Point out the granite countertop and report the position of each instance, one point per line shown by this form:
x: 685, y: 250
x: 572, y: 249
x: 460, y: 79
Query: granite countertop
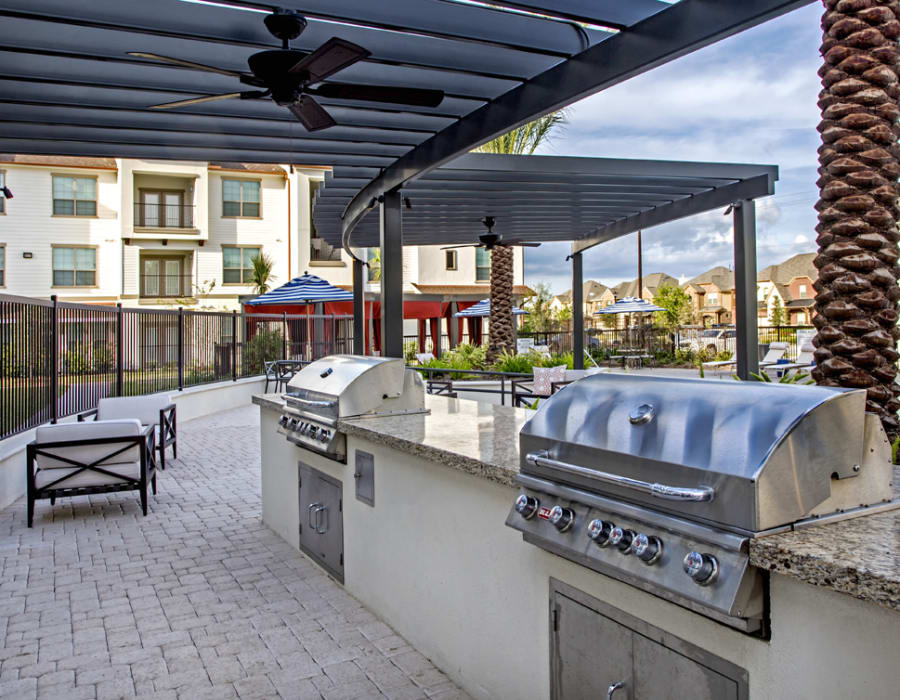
x: 478, y: 438
x: 859, y: 557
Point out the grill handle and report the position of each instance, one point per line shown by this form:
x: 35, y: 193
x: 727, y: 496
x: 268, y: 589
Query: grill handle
x: 315, y: 404
x: 669, y: 493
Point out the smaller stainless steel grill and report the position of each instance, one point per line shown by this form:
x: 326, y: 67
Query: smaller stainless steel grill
x: 663, y: 482
x: 345, y: 386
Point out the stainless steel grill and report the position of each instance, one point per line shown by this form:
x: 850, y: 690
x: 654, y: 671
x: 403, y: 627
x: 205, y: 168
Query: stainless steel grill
x: 344, y: 386
x: 662, y: 482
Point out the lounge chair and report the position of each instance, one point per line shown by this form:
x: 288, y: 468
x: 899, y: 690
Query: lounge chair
x: 717, y: 364
x: 776, y: 352
x: 424, y: 357
x: 76, y: 459
x: 156, y: 410
x: 805, y: 360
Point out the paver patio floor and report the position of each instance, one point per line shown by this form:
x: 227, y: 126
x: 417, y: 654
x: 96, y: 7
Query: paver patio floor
x: 197, y: 600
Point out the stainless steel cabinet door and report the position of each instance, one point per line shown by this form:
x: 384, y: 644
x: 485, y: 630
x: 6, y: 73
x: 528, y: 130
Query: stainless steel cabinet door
x: 321, y: 520
x: 591, y: 653
x: 663, y: 674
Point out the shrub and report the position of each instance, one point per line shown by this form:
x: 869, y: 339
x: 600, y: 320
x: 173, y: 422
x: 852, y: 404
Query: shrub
x: 509, y: 362
x: 684, y: 356
x: 266, y: 345
x: 555, y: 360
x: 102, y: 358
x: 410, y: 348
x: 78, y: 360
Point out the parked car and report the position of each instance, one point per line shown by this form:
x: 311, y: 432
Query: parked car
x: 711, y: 339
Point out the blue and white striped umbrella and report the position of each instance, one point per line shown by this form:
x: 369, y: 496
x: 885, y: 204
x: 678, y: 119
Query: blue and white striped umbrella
x: 483, y: 308
x: 306, y: 289
x: 630, y: 305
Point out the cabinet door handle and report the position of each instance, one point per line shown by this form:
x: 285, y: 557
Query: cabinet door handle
x: 321, y: 509
x: 613, y: 688
x: 309, y: 514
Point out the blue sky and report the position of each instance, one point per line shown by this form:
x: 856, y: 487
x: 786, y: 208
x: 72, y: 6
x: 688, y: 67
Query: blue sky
x: 750, y: 98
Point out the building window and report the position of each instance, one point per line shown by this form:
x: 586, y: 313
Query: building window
x: 74, y: 196
x: 803, y: 291
x: 482, y: 265
x: 74, y: 267
x: 163, y: 277
x: 2, y: 198
x: 712, y: 299
x: 237, y: 262
x: 240, y: 198
x: 2, y: 265
x: 450, y: 259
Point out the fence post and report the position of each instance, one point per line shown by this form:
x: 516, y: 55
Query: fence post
x: 54, y: 361
x: 284, y: 336
x: 120, y: 350
x: 180, y: 348
x: 234, y: 345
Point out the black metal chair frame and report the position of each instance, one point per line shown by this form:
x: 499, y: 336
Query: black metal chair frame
x: 146, y: 441
x: 284, y: 372
x: 441, y: 387
x: 167, y: 431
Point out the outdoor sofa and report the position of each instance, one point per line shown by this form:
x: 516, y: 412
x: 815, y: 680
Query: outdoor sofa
x: 156, y: 411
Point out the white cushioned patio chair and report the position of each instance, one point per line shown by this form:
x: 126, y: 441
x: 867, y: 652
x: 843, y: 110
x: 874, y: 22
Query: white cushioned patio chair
x: 76, y: 459
x: 155, y: 410
x: 775, y: 352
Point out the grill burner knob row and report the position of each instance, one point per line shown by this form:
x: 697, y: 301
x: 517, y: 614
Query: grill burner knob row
x: 647, y: 548
x: 599, y: 531
x: 562, y: 518
x: 527, y: 506
x: 703, y: 568
x: 622, y: 539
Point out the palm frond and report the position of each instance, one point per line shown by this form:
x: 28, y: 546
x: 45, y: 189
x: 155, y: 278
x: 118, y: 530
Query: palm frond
x: 524, y: 140
x: 261, y: 273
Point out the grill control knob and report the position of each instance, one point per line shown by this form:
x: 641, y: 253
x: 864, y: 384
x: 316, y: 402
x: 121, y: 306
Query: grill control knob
x: 562, y: 518
x: 647, y: 548
x: 703, y: 568
x: 527, y: 506
x: 622, y: 539
x: 283, y: 421
x: 599, y: 531
x: 323, y: 436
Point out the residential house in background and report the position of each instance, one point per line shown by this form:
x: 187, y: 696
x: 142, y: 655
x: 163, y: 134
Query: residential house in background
x: 594, y: 294
x: 712, y: 297
x: 176, y: 233
x: 791, y: 284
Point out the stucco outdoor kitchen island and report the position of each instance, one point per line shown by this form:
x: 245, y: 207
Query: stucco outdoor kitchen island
x: 425, y: 547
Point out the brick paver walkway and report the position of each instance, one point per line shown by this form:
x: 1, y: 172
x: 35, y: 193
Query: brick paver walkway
x: 197, y: 600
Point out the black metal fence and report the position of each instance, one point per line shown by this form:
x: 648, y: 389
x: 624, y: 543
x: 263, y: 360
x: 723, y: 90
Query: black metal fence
x: 57, y: 358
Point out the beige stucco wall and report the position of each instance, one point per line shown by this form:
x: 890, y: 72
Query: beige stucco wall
x: 434, y: 559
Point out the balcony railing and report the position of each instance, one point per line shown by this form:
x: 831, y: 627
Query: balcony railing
x: 165, y: 286
x: 163, y: 215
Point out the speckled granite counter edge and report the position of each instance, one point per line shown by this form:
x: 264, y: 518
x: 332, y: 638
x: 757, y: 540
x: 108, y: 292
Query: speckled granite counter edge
x: 857, y: 582
x: 497, y: 473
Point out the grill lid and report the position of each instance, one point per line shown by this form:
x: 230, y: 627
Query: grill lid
x: 761, y: 455
x: 347, y: 385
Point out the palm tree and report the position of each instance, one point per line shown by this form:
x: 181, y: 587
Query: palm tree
x: 857, y: 291
x: 521, y: 141
x: 261, y: 273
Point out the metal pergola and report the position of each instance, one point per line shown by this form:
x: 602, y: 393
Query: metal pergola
x: 550, y: 198
x: 68, y: 85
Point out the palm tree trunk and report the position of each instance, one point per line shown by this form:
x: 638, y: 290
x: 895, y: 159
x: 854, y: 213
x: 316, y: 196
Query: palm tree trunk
x: 502, y: 332
x: 857, y: 291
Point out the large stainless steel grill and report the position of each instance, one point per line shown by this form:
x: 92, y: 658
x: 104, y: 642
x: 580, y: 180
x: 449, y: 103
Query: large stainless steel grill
x: 662, y: 482
x: 344, y: 386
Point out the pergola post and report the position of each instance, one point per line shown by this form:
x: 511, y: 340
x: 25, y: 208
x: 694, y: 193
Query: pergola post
x: 746, y: 350
x: 577, y: 311
x: 453, y: 325
x: 359, y: 329
x: 391, y: 276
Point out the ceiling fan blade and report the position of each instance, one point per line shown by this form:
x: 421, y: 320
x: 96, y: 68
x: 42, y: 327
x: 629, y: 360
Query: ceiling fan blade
x: 311, y: 114
x: 196, y: 100
x: 416, y: 97
x: 332, y: 56
x: 186, y: 64
x: 524, y: 244
x: 464, y: 245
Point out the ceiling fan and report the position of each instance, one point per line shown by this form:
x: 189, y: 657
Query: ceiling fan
x: 489, y: 239
x: 292, y: 78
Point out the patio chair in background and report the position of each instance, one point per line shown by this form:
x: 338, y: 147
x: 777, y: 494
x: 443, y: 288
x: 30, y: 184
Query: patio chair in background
x: 424, y: 357
x: 717, y: 364
x: 775, y: 352
x: 83, y: 458
x: 155, y: 410
x: 804, y: 360
x: 271, y: 375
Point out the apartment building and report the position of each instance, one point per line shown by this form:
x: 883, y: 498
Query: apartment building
x: 712, y: 297
x: 790, y: 285
x: 174, y: 233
